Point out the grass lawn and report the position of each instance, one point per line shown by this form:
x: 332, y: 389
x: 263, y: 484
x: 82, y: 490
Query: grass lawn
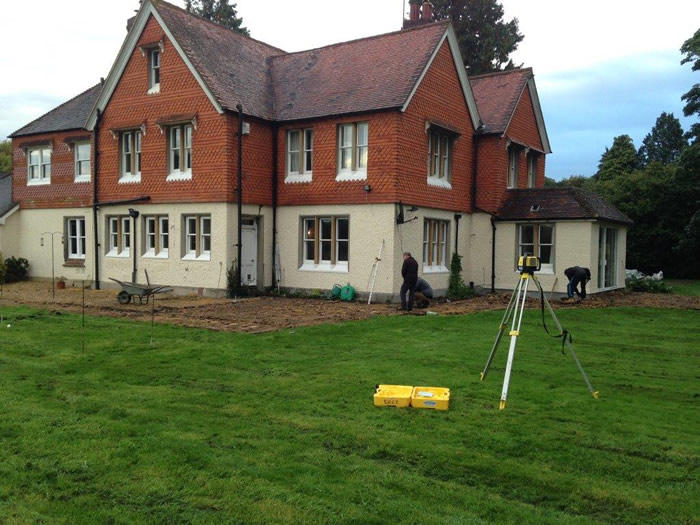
x: 684, y: 286
x: 206, y: 427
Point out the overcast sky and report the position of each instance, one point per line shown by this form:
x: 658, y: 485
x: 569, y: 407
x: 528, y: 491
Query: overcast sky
x: 602, y: 67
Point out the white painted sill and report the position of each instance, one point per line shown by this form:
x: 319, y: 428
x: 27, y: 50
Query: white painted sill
x: 435, y: 269
x: 154, y: 90
x: 293, y: 178
x: 324, y: 267
x: 124, y: 254
x: 163, y: 254
x: 439, y: 183
x: 82, y: 179
x: 348, y: 175
x: 130, y: 179
x: 38, y: 182
x: 179, y: 175
x: 205, y: 257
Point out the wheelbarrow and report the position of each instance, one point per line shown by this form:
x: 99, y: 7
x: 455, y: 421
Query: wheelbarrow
x: 131, y: 290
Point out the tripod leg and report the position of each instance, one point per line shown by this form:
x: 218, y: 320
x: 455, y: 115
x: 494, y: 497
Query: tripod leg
x: 501, y: 328
x: 568, y: 344
x: 514, y: 333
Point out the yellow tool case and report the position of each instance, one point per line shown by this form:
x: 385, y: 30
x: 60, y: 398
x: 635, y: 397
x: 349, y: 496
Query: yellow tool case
x: 392, y: 395
x: 430, y: 397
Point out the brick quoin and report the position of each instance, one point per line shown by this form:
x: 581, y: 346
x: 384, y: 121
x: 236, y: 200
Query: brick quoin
x: 63, y: 192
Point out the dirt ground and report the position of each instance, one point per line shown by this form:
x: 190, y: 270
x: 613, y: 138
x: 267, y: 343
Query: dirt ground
x: 264, y: 314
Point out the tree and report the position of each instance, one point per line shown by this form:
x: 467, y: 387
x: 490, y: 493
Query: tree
x: 485, y: 39
x: 219, y: 11
x: 5, y: 156
x: 619, y: 159
x: 664, y: 143
x: 691, y: 50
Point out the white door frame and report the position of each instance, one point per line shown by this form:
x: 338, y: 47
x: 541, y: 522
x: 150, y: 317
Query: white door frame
x: 249, y: 264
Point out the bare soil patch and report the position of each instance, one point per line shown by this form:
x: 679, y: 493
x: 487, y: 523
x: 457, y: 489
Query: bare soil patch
x: 264, y: 314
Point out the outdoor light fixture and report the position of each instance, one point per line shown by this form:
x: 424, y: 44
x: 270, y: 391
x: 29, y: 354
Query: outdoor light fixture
x: 413, y: 208
x: 133, y: 213
x: 368, y: 188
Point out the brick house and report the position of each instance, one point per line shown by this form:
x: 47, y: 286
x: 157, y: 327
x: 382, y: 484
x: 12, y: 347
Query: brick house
x: 344, y: 148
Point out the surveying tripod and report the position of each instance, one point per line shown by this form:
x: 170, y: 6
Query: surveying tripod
x: 527, y: 265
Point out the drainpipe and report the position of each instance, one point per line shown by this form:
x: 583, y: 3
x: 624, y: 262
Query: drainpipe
x: 96, y: 164
x: 493, y: 254
x: 134, y: 215
x: 457, y: 217
x: 274, y: 203
x: 239, y: 275
x: 475, y: 163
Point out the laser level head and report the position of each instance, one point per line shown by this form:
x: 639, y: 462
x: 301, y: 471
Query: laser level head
x: 529, y: 264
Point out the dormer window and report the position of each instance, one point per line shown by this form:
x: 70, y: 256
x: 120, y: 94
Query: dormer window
x: 154, y: 71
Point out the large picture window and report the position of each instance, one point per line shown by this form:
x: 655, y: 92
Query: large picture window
x: 325, y: 243
x: 353, y: 151
x: 75, y: 237
x: 130, y: 165
x: 39, y: 166
x: 300, y: 149
x: 435, y: 245
x: 538, y: 240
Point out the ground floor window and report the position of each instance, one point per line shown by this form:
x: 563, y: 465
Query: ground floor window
x: 75, y: 236
x: 325, y: 242
x: 197, y: 237
x: 435, y: 245
x: 119, y: 236
x: 607, y: 257
x: 156, y: 236
x: 538, y: 240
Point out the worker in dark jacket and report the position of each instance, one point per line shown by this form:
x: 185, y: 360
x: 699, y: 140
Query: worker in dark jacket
x: 409, y: 272
x: 424, y: 293
x: 577, y: 275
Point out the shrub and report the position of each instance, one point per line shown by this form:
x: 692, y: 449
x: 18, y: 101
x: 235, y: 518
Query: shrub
x: 3, y: 270
x: 646, y: 284
x: 232, y: 287
x: 457, y: 289
x: 16, y: 269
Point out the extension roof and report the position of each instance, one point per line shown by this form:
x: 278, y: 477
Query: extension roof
x: 368, y: 74
x: 497, y: 96
x: 566, y: 203
x: 69, y: 115
x: 6, y: 203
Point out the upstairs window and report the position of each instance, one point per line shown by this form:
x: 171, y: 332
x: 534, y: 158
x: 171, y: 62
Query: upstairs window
x: 39, y: 166
x: 353, y: 151
x: 439, y: 158
x: 513, y: 160
x: 531, y: 169
x: 180, y: 152
x: 300, y: 147
x: 82, y: 161
x: 538, y: 240
x: 130, y: 165
x: 154, y: 71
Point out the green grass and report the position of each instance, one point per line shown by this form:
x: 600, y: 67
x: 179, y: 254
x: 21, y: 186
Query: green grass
x: 684, y: 286
x: 205, y: 427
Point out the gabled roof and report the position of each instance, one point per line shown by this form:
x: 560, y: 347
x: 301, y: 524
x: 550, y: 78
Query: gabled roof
x: 6, y: 203
x: 497, y: 96
x: 369, y: 74
x: 69, y: 115
x: 568, y: 203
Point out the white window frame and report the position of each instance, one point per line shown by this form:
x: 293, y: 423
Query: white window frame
x: 81, y: 161
x: 154, y: 60
x: 130, y: 156
x: 180, y: 148
x: 537, y: 244
x: 350, y: 146
x: 440, y: 158
x: 79, y: 238
x: 303, y: 155
x: 313, y: 238
x: 436, y: 249
x: 193, y: 228
x: 42, y: 175
x: 531, y: 169
x: 513, y: 161
x: 603, y: 262
x: 155, y: 235
x: 119, y: 235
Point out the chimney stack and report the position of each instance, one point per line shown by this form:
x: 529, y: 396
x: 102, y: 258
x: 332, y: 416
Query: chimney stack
x: 415, y: 13
x: 427, y: 12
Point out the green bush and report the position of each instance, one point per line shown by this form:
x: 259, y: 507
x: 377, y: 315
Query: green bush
x: 16, y: 269
x: 457, y: 289
x: 3, y: 270
x: 645, y: 284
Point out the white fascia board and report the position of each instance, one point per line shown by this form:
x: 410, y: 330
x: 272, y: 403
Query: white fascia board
x: 125, y: 54
x: 461, y: 73
x: 538, y: 114
x: 6, y: 216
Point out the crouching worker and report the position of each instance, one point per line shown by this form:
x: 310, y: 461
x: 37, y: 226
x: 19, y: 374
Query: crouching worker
x: 577, y: 276
x: 424, y: 293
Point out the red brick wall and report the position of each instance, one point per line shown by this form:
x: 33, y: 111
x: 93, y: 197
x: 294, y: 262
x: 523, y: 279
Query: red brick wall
x: 213, y: 142
x: 492, y: 172
x: 523, y: 125
x: 63, y: 192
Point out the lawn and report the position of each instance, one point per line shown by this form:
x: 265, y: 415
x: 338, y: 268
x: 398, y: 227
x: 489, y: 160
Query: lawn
x: 208, y: 427
x: 684, y: 286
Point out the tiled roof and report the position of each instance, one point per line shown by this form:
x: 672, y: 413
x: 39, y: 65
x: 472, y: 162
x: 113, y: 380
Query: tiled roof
x: 236, y: 68
x: 69, y: 115
x: 497, y: 95
x: 566, y: 203
x: 362, y: 75
x: 6, y: 203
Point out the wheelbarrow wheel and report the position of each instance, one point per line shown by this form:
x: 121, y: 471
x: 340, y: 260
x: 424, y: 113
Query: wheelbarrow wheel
x: 123, y: 297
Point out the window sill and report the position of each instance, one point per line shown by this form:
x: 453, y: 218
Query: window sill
x: 154, y: 90
x: 435, y: 269
x: 82, y: 179
x: 293, y: 178
x: 544, y: 271
x: 439, y: 183
x: 153, y: 255
x: 179, y: 176
x: 343, y: 176
x: 38, y: 182
x: 205, y: 257
x: 119, y: 255
x: 130, y: 179
x: 74, y: 263
x: 324, y: 267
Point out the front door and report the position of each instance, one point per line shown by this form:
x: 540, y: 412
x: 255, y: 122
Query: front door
x: 249, y: 254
